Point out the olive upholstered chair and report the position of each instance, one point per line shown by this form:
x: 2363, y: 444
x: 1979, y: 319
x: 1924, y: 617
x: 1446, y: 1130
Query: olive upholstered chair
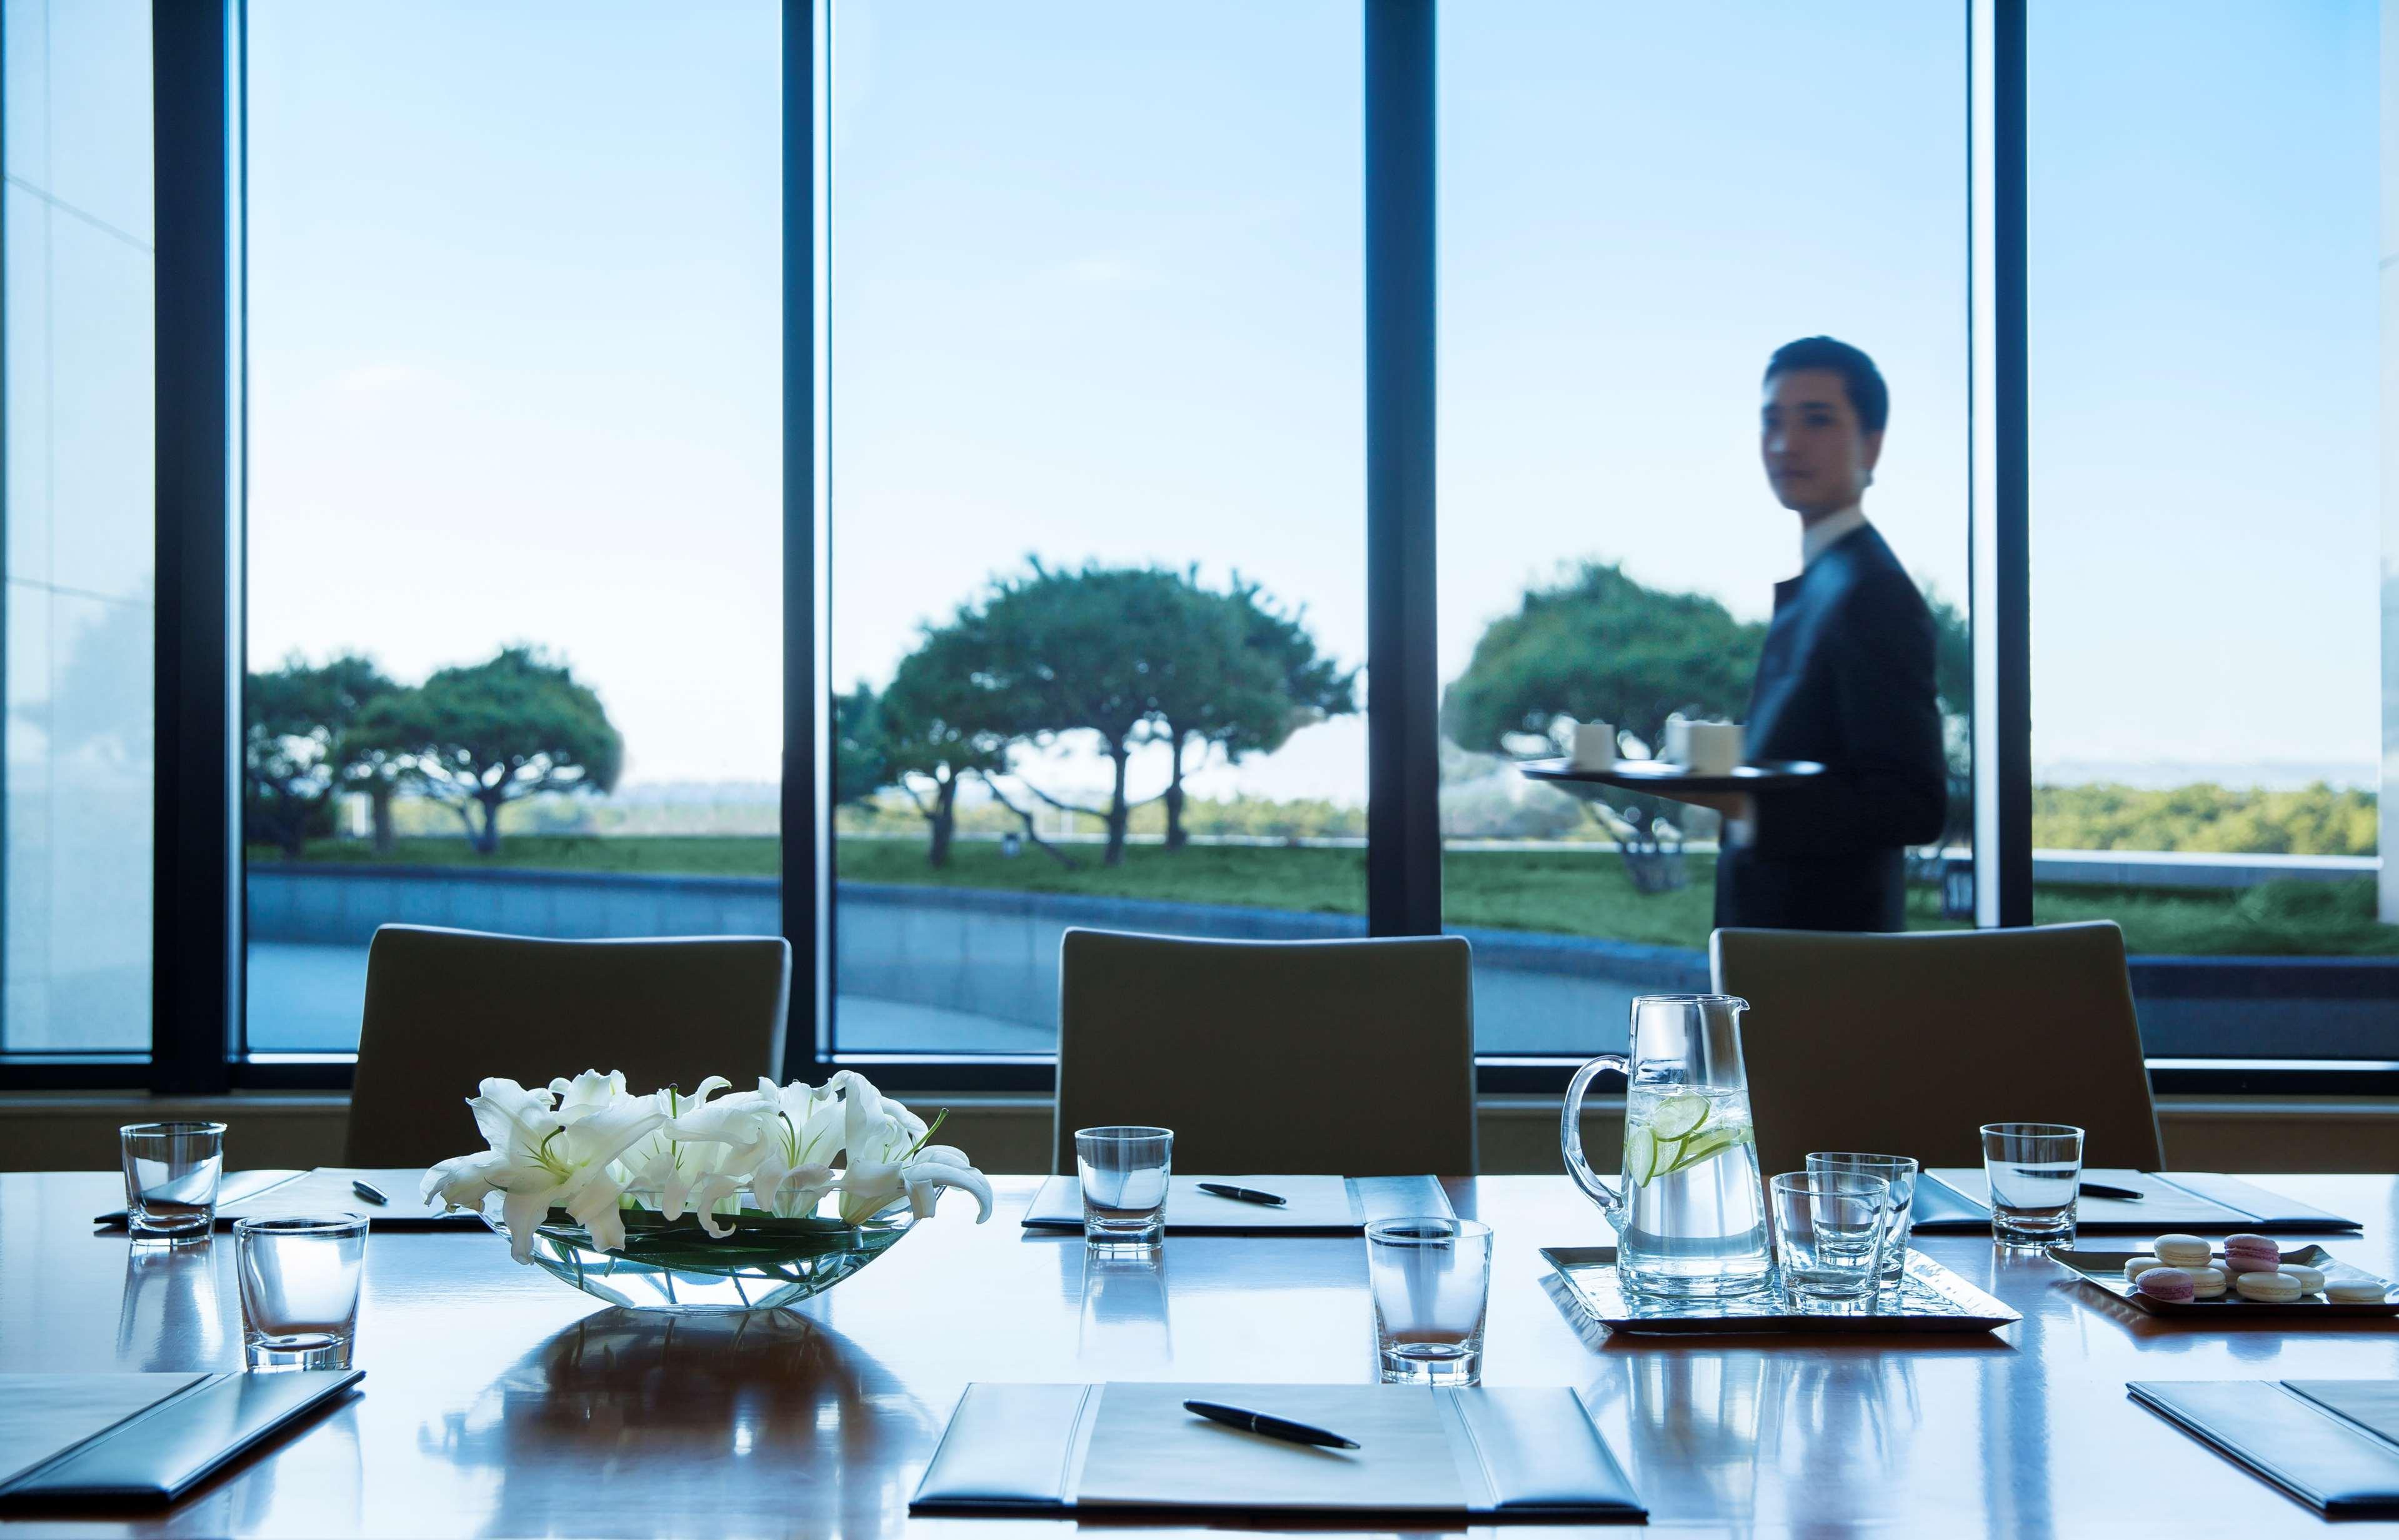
x: 1348, y: 1057
x: 446, y: 1008
x: 1909, y: 1044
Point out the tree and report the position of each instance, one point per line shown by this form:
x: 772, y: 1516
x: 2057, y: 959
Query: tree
x: 858, y: 761
x: 1247, y: 677
x: 938, y: 723
x: 301, y: 742
x: 478, y: 737
x: 1086, y: 650
x: 1598, y: 646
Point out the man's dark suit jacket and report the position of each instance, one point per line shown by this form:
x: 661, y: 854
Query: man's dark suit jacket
x: 1846, y: 678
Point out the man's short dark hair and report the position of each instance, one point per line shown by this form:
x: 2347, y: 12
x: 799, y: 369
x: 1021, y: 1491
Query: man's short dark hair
x: 1869, y: 398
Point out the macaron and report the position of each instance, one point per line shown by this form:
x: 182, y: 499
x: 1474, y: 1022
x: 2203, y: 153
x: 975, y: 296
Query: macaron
x: 2276, y: 1287
x: 2208, y: 1283
x: 2138, y: 1266
x: 2246, y: 1253
x: 2182, y: 1252
x: 2168, y: 1286
x: 2356, y: 1290
x: 2312, y: 1280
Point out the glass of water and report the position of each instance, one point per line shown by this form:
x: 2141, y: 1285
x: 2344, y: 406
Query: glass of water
x: 1829, y: 1229
x: 1124, y: 1171
x: 171, y: 1171
x: 299, y: 1282
x: 1431, y: 1279
x: 2034, y: 1169
x: 1900, y: 1172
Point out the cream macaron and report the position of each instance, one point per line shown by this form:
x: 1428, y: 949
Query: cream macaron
x: 2312, y: 1280
x: 2356, y: 1290
x: 2208, y: 1283
x: 2275, y: 1288
x: 2182, y: 1252
x: 2138, y: 1266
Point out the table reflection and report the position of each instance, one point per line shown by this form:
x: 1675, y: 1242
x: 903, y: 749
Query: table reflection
x: 696, y: 1415
x: 172, y: 1315
x: 1126, y: 1321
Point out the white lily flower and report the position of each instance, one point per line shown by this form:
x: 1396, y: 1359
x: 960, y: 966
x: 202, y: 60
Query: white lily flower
x: 797, y: 1169
x: 538, y: 1160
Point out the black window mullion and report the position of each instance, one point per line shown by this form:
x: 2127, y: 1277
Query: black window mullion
x: 1403, y: 684
x: 195, y: 892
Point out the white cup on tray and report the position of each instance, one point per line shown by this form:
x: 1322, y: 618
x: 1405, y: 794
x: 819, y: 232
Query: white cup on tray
x: 1594, y: 746
x: 1711, y: 747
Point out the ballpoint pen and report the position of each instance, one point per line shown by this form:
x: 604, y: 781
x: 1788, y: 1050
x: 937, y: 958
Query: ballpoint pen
x: 2100, y: 1189
x: 1241, y: 1194
x: 1268, y: 1426
x: 368, y: 1192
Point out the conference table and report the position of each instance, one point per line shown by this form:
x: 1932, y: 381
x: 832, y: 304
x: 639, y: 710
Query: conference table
x: 497, y: 1401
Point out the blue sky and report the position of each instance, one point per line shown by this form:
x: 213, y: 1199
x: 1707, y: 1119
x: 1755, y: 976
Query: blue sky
x: 1096, y: 293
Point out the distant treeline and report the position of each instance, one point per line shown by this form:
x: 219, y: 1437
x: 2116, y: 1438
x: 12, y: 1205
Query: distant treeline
x: 2320, y: 820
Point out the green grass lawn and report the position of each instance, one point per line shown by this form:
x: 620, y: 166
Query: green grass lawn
x: 1567, y: 892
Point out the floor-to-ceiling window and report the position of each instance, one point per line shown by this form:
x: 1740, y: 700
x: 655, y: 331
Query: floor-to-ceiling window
x: 81, y: 575
x: 1097, y: 520
x: 515, y: 507
x: 2204, y: 204
x: 1635, y: 211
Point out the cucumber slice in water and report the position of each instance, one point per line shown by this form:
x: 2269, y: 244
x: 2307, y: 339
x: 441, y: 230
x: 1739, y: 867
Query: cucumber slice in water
x: 1678, y: 1115
x: 1640, y: 1156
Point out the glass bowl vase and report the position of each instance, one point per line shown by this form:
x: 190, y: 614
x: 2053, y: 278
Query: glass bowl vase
x: 769, y: 1261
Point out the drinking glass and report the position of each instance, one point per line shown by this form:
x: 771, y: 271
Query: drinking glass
x: 1901, y: 1172
x: 1829, y: 1228
x: 299, y: 1279
x: 2034, y: 1170
x: 171, y: 1181
x: 1124, y: 1171
x: 1431, y: 1279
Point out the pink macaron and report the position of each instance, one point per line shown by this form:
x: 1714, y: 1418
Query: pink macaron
x: 2168, y: 1285
x: 2251, y: 1254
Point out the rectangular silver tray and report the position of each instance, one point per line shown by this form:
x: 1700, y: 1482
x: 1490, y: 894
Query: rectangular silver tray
x: 2106, y: 1270
x: 1930, y: 1298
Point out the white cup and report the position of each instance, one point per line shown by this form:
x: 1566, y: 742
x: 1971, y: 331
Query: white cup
x: 1712, y: 748
x: 1676, y: 747
x: 1594, y: 745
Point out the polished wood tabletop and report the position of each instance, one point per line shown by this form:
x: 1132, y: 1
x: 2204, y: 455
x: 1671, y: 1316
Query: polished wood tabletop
x: 499, y: 1402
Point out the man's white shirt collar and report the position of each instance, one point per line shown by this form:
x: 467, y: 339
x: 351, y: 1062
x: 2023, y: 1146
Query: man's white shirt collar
x: 1819, y: 538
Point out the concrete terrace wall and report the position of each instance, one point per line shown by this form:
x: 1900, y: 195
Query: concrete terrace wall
x: 993, y: 955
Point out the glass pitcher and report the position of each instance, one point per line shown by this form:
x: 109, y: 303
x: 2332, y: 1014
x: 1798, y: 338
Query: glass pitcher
x: 1690, y: 1221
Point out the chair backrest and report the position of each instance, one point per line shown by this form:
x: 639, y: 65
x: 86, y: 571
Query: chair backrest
x: 1351, y: 1057
x: 1909, y: 1044
x: 446, y: 1008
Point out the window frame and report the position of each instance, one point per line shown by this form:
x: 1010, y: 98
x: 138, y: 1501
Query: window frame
x: 196, y: 1034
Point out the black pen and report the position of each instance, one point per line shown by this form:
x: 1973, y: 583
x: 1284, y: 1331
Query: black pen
x: 1268, y: 1426
x: 2100, y: 1189
x: 1241, y: 1194
x: 367, y: 1192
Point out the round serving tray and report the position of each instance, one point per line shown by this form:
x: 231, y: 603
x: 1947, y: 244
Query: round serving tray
x: 1666, y: 779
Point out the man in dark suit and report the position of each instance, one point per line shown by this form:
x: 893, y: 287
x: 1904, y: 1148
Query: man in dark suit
x: 1846, y: 676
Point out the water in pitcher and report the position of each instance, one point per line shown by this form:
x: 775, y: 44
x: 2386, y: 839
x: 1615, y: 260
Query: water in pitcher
x: 1695, y: 1221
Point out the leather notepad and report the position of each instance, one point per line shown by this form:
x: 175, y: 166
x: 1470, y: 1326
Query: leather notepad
x: 1123, y: 1449
x: 327, y: 1190
x: 1956, y: 1199
x: 1314, y: 1205
x: 2332, y: 1444
x: 140, y: 1439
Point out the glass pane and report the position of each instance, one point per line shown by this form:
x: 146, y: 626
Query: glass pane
x: 1635, y: 213
x: 515, y: 514
x: 1096, y: 369
x: 81, y: 567
x: 2206, y: 188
